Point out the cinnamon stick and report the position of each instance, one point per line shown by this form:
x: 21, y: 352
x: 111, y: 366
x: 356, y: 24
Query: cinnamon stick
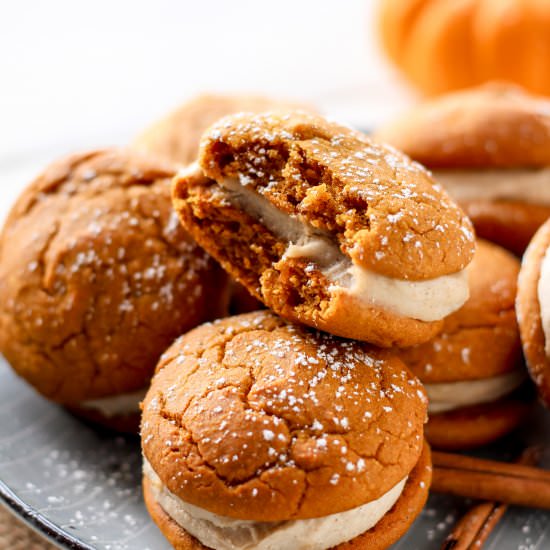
x: 473, y: 529
x: 491, y: 480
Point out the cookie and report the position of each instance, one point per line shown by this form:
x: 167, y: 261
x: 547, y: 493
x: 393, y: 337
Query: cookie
x: 327, y: 228
x: 533, y: 309
x: 257, y: 429
x: 473, y: 369
x: 490, y: 148
x: 176, y: 137
x: 97, y: 278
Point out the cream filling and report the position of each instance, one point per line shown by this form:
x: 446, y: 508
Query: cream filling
x: 543, y: 289
x: 223, y: 533
x: 124, y: 403
x: 428, y: 300
x: 456, y: 395
x: 532, y: 186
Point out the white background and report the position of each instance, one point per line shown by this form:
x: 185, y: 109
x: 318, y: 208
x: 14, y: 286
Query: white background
x: 76, y: 74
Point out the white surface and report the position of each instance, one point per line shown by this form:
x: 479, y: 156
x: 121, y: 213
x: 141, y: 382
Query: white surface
x: 83, y: 74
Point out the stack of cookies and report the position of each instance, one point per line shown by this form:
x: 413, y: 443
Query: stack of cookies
x: 300, y: 424
x: 259, y: 432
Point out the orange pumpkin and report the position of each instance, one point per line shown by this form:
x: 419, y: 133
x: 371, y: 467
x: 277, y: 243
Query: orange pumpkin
x: 443, y: 45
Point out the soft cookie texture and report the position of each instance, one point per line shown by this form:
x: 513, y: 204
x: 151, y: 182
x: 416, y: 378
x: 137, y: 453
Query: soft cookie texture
x: 97, y: 278
x: 257, y: 419
x: 533, y: 303
x: 293, y: 206
x: 490, y: 148
x: 176, y: 137
x: 477, y: 356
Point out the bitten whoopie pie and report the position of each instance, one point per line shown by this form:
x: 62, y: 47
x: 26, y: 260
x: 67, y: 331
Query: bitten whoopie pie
x: 473, y: 370
x: 97, y: 278
x: 257, y: 433
x: 533, y: 309
x: 326, y: 227
x: 490, y: 148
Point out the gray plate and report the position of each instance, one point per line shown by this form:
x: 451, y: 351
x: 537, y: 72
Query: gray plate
x: 80, y: 486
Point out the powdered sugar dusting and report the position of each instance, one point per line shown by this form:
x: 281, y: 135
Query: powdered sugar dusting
x: 380, y: 191
x: 294, y: 399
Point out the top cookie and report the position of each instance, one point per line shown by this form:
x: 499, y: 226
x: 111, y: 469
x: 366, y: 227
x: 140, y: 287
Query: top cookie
x: 176, y: 137
x: 304, y: 211
x: 492, y: 126
x: 254, y: 418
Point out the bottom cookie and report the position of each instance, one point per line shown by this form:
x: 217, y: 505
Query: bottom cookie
x: 387, y: 531
x: 478, y: 425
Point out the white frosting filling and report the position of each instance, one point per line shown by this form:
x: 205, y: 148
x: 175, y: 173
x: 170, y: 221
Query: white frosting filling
x: 532, y: 186
x: 124, y: 403
x: 428, y: 300
x: 456, y: 395
x: 223, y: 533
x: 543, y: 290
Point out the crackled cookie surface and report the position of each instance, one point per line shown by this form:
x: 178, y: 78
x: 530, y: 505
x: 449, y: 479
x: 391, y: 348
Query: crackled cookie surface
x: 328, y: 228
x: 472, y: 370
x: 97, y: 278
x: 490, y: 148
x: 272, y: 430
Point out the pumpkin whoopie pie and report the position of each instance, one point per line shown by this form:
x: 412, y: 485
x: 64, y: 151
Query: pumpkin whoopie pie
x: 473, y: 370
x: 257, y: 433
x: 97, y: 278
x: 533, y: 308
x: 326, y: 227
x: 490, y: 148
